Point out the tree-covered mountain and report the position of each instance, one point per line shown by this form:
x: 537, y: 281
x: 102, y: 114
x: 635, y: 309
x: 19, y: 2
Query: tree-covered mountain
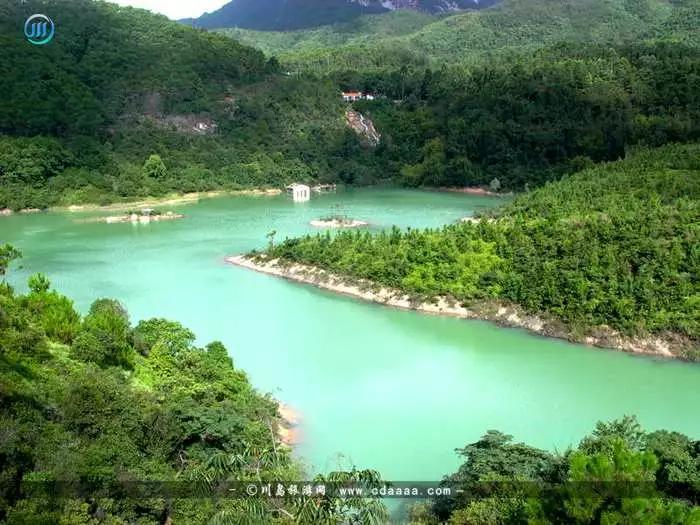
x: 79, y: 116
x: 527, y: 120
x: 107, y: 62
x: 405, y: 38
x: 284, y: 15
x: 516, y: 92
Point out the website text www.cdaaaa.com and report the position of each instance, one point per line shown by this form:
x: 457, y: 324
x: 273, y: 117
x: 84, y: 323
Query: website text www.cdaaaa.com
x: 237, y: 489
x: 343, y: 490
x: 351, y: 490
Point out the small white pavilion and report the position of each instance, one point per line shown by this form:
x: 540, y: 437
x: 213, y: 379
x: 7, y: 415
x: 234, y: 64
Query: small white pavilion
x: 300, y: 192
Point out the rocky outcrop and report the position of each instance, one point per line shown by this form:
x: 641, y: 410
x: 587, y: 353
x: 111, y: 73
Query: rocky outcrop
x: 437, y: 6
x: 363, y: 126
x: 288, y: 429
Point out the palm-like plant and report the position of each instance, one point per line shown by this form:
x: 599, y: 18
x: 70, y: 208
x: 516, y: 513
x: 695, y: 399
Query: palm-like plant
x: 261, y: 466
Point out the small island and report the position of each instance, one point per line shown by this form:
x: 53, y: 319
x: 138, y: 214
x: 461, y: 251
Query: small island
x: 338, y: 219
x: 143, y: 216
x: 338, y: 222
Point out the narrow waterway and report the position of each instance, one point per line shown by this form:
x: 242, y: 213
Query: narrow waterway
x: 379, y: 388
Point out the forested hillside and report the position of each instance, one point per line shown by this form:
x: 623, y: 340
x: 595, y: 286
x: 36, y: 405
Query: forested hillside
x: 80, y: 116
x: 514, y: 95
x: 121, y: 86
x: 398, y: 39
x: 103, y: 422
x: 618, y: 474
x: 615, y: 245
x: 362, y: 30
x: 520, y: 121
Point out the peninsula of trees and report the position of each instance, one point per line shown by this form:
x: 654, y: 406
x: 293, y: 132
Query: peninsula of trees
x: 614, y: 247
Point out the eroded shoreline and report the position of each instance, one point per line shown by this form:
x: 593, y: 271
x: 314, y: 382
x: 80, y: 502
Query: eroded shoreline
x: 506, y: 315
x: 170, y: 200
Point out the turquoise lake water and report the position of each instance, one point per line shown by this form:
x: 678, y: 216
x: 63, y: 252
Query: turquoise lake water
x: 378, y: 388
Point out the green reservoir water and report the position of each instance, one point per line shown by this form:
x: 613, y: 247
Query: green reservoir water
x: 380, y: 388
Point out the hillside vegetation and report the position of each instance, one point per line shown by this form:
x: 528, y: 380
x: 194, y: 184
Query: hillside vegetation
x: 512, y: 96
x: 284, y: 14
x: 397, y: 39
x: 521, y: 121
x: 618, y: 474
x: 131, y: 105
x: 79, y: 117
x: 615, y: 245
x: 103, y: 422
x: 363, y: 30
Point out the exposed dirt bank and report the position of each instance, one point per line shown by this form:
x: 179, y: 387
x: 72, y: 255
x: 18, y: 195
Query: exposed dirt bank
x: 363, y: 127
x: 288, y: 430
x: 507, y: 315
x: 476, y: 220
x: 6, y: 212
x: 170, y: 200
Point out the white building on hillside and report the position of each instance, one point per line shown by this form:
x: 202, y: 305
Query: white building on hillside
x: 352, y: 96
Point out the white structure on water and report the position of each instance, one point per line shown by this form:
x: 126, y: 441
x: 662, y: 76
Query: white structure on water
x: 300, y: 192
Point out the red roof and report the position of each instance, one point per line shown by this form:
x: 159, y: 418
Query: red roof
x: 352, y: 94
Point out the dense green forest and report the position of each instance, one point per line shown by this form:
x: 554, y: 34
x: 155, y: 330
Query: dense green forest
x: 413, y: 39
x: 617, y: 244
x: 617, y: 475
x: 105, y: 406
x: 292, y: 46
x: 528, y: 120
x: 518, y: 94
x: 539, y: 96
x: 80, y: 117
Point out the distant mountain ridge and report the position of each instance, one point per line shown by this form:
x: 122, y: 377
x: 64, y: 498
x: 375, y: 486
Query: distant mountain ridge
x: 406, y: 37
x: 282, y: 15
